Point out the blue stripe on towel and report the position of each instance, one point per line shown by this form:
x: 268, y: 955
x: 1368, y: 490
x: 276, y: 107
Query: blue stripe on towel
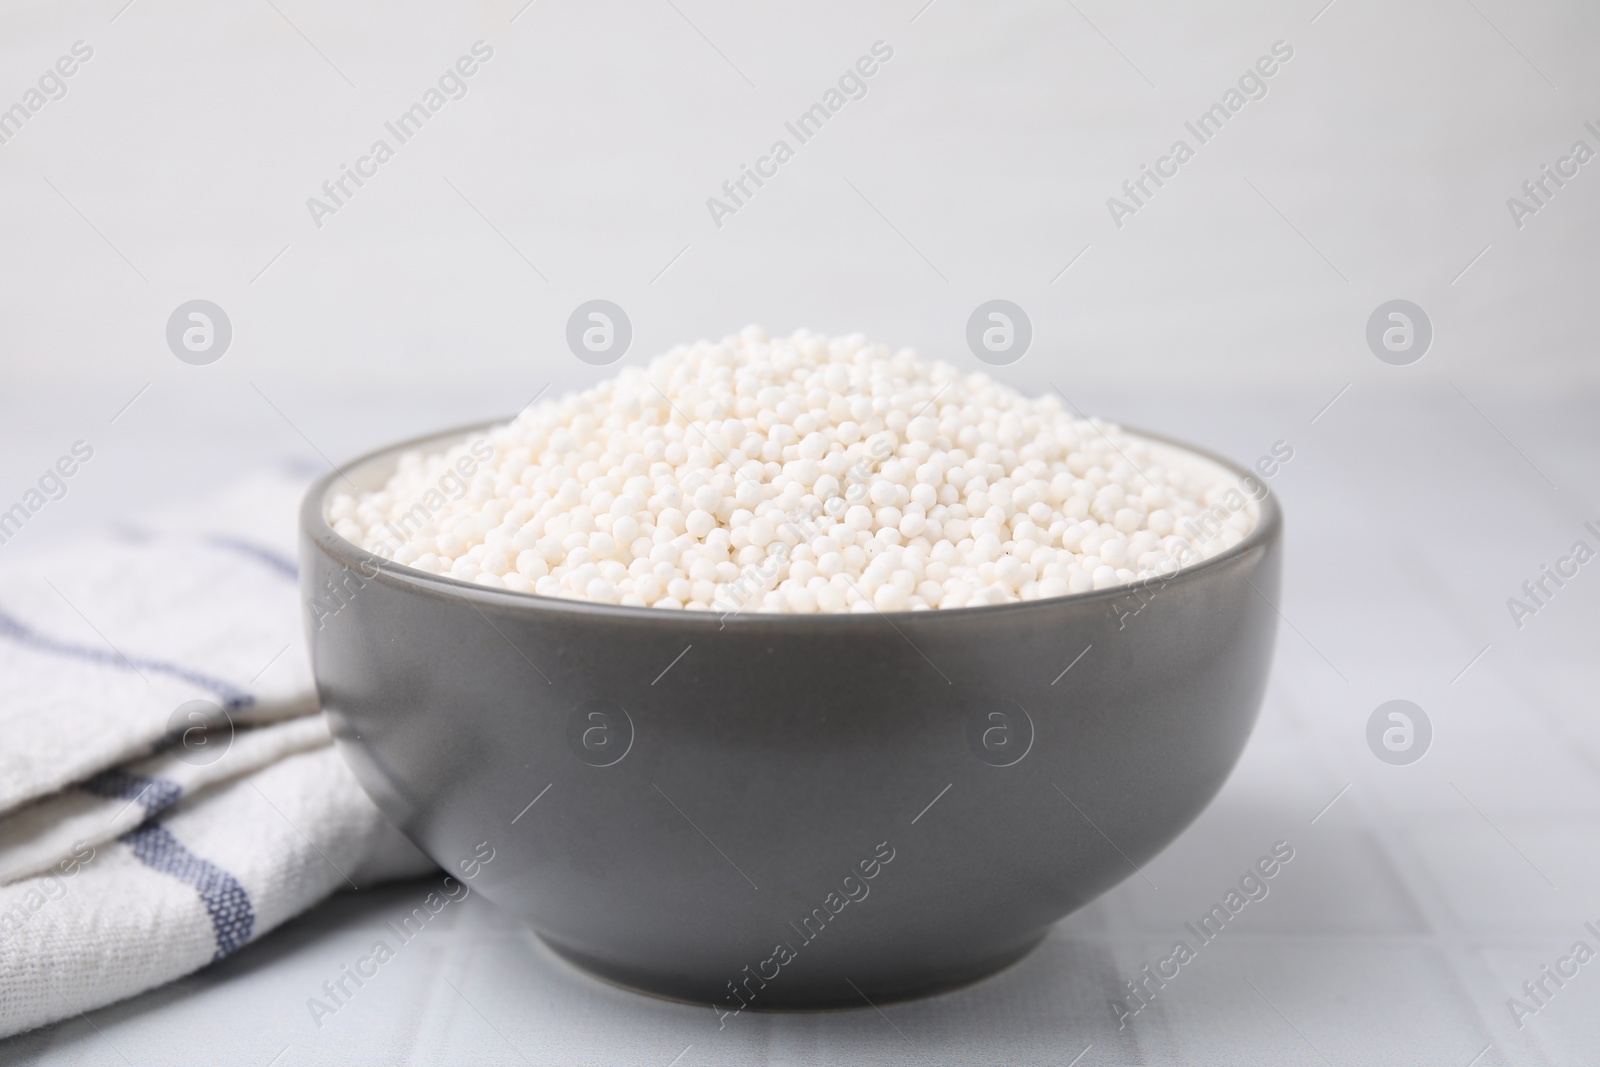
x: 232, y: 916
x: 153, y: 794
x: 274, y: 560
x: 24, y: 635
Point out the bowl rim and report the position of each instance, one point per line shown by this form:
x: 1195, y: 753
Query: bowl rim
x: 313, y: 525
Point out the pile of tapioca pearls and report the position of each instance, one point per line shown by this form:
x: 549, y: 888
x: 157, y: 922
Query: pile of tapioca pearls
x: 796, y: 474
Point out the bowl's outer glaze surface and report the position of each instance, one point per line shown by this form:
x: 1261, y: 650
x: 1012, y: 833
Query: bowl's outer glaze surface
x: 682, y: 837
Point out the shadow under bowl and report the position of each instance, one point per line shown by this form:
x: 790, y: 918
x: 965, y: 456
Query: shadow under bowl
x: 777, y: 811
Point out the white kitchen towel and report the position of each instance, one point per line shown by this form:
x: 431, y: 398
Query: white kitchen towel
x: 102, y: 640
x: 190, y: 886
x: 130, y: 853
x: 109, y: 804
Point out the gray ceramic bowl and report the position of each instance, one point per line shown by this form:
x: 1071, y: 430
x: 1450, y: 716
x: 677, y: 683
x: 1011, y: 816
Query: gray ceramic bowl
x: 786, y: 811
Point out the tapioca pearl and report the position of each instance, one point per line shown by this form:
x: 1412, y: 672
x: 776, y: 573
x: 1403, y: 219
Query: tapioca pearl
x: 889, y: 597
x: 1053, y: 586
x: 1008, y: 571
x: 1114, y: 551
x: 801, y: 600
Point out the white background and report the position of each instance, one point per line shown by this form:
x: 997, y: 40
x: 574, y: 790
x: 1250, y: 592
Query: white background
x: 179, y: 164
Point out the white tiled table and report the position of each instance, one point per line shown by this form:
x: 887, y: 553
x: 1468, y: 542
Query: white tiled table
x: 1415, y: 905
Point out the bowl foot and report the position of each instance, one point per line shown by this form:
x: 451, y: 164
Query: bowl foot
x: 832, y: 991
